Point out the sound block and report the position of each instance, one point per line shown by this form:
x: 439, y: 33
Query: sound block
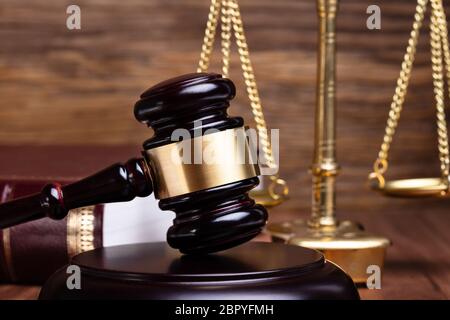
x: 252, y: 271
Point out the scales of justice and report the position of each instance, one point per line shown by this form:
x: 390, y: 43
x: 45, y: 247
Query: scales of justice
x: 345, y: 242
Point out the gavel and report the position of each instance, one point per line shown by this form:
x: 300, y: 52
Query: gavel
x: 213, y: 209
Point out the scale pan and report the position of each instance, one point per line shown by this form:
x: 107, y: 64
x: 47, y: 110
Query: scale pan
x: 264, y: 198
x: 423, y: 187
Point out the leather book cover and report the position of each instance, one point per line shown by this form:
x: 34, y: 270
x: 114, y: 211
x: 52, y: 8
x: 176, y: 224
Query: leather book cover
x: 31, y: 252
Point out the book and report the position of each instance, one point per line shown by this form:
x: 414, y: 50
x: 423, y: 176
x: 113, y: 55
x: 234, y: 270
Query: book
x: 31, y: 252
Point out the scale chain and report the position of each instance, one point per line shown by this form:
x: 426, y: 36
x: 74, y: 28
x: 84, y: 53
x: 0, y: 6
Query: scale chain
x: 437, y: 47
x: 445, y: 44
x: 210, y: 36
x: 440, y: 57
x: 226, y: 37
x: 231, y: 22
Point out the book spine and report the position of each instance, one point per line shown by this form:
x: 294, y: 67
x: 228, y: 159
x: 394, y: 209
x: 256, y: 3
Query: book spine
x: 31, y: 252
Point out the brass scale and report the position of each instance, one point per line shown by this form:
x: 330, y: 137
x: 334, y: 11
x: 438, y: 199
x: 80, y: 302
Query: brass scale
x: 343, y: 242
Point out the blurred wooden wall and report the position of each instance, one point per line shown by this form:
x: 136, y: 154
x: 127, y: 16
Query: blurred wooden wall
x: 78, y: 87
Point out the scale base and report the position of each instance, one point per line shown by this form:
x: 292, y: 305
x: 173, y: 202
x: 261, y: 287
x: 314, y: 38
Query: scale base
x: 346, y: 244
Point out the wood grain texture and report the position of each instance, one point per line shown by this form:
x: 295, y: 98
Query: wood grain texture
x: 13, y: 292
x: 78, y: 87
x: 70, y: 87
x: 417, y: 267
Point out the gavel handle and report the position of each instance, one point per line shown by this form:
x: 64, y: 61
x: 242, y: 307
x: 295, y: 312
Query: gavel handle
x: 117, y: 183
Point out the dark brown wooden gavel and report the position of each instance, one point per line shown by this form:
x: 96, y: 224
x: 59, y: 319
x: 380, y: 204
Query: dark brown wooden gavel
x: 210, y: 200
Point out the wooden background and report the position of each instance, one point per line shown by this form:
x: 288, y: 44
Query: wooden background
x: 78, y: 87
x: 61, y: 87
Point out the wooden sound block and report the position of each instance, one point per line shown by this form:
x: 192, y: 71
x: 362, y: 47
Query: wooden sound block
x: 251, y: 271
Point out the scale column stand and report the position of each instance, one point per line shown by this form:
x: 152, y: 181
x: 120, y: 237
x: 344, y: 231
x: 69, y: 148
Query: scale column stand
x: 343, y: 242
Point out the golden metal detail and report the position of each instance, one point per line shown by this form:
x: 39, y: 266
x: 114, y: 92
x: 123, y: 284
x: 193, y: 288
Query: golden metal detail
x: 440, y: 61
x: 343, y: 242
x: 8, y: 254
x: 80, y: 230
x: 216, y: 159
x: 231, y: 23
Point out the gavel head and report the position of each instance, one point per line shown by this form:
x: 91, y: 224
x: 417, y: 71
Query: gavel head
x: 200, y: 163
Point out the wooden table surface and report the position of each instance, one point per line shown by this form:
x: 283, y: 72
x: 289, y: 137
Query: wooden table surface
x: 417, y: 266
